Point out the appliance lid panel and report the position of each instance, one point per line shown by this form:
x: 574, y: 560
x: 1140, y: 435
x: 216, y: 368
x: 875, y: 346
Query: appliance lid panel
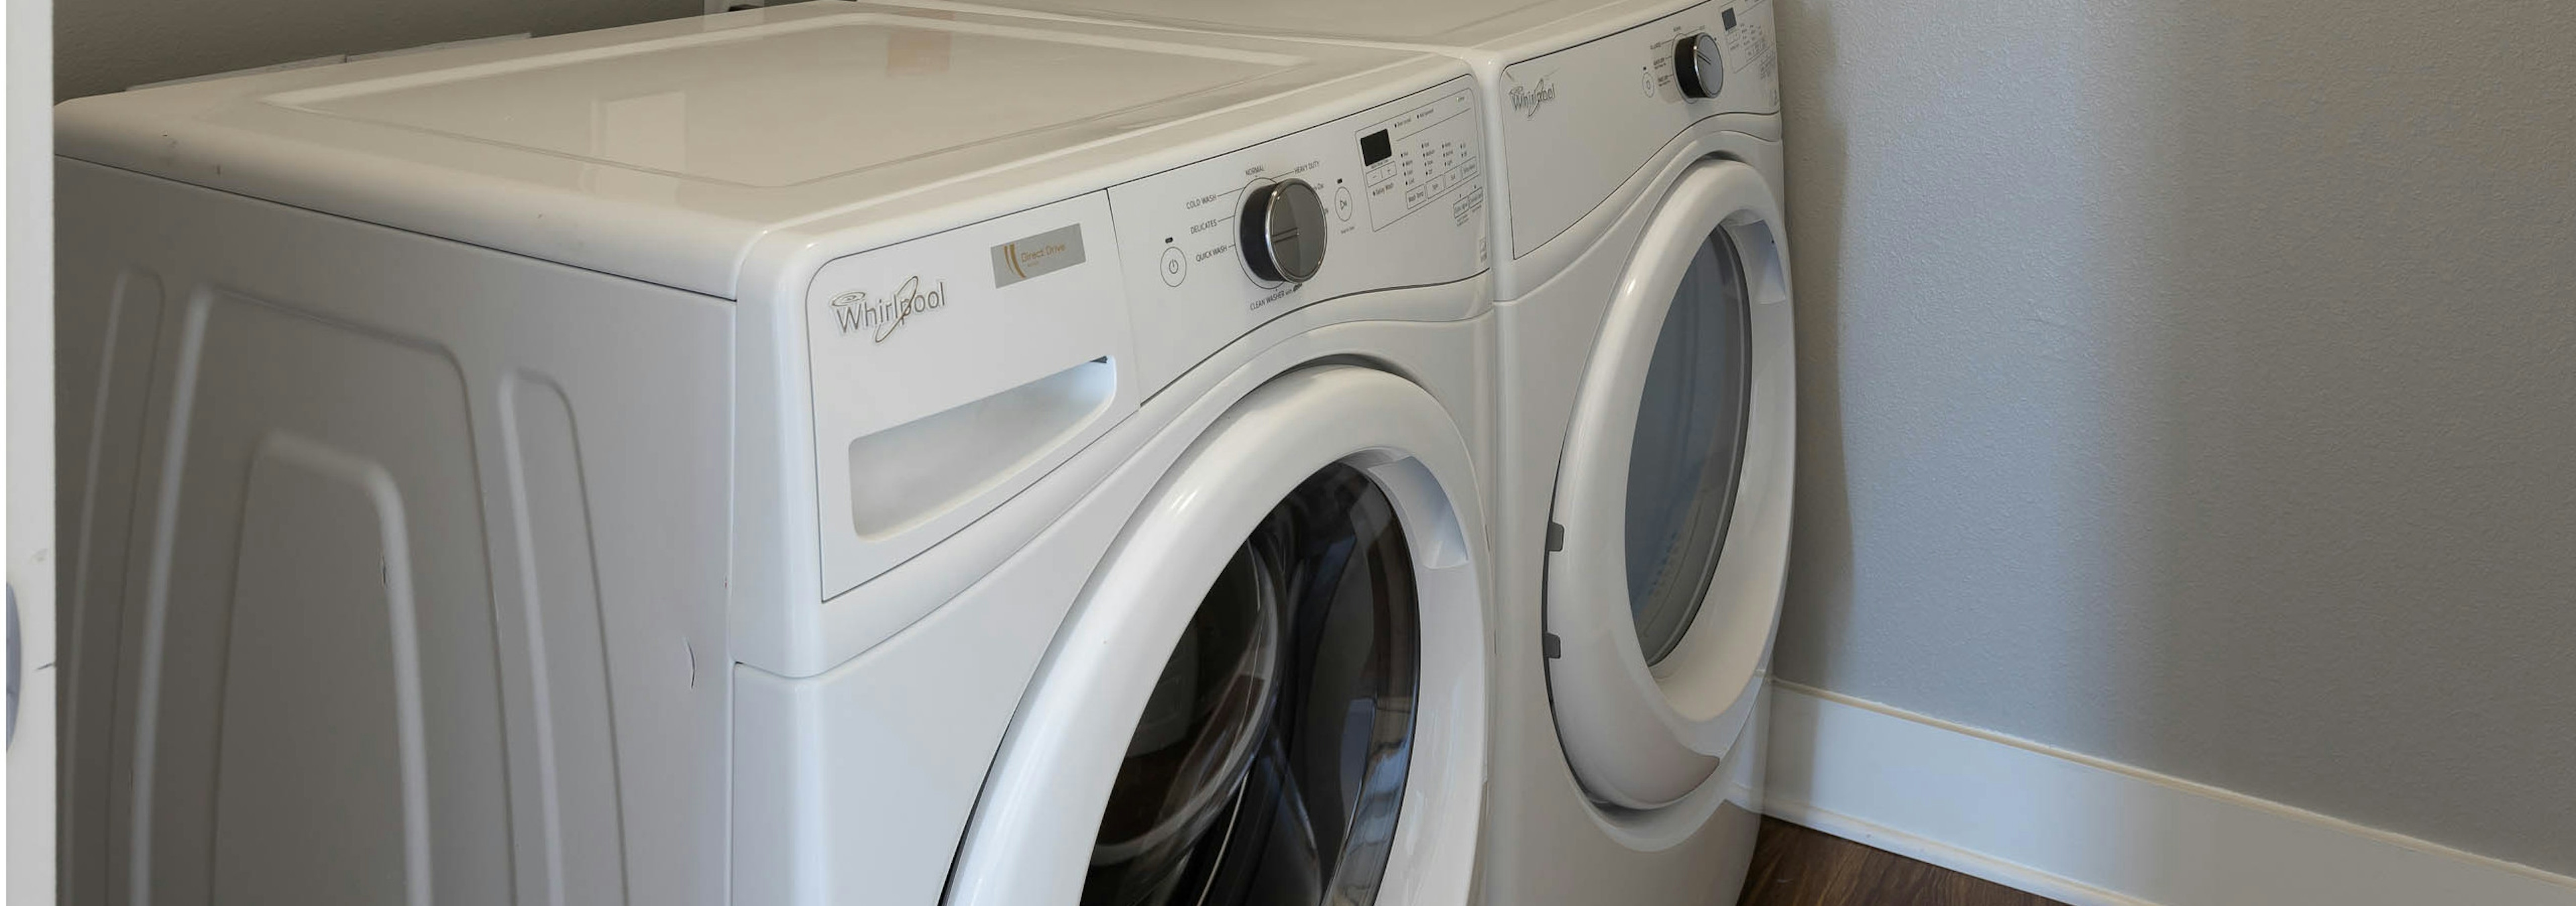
x: 798, y: 101
x: 666, y: 151
x: 1424, y: 21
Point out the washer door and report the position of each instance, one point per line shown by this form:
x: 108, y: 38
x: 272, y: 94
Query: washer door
x: 1273, y: 692
x: 1672, y: 505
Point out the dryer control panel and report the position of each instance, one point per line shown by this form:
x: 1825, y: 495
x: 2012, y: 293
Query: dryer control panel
x: 1391, y: 196
x: 1580, y: 121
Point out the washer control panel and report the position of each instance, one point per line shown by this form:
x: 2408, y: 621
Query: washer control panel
x: 1388, y: 197
x: 1010, y: 342
x: 1284, y: 231
x: 1418, y: 156
x: 1698, y: 66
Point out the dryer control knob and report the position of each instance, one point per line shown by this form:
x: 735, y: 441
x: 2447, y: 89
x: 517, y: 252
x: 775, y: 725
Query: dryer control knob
x: 1283, y: 227
x: 1697, y: 67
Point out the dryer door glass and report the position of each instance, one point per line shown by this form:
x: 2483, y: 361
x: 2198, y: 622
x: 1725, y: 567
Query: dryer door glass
x: 1688, y: 451
x: 1270, y: 760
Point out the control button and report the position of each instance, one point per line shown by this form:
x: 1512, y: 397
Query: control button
x: 1342, y: 203
x: 1176, y: 266
x: 1283, y: 232
x: 1696, y: 66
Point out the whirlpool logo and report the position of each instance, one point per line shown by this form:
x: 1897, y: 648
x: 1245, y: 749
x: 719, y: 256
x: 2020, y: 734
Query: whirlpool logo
x: 879, y: 315
x: 1527, y: 98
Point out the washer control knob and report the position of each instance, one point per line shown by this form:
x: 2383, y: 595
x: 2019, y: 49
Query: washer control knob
x: 1697, y: 67
x: 1283, y: 231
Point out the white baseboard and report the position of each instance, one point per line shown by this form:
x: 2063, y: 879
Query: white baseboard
x: 2096, y: 833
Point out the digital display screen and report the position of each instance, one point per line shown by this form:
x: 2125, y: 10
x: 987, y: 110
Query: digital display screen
x: 1375, y: 147
x: 1728, y: 18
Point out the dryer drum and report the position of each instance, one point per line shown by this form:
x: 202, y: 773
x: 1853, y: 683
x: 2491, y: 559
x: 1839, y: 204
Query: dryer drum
x: 1688, y: 455
x: 1270, y: 761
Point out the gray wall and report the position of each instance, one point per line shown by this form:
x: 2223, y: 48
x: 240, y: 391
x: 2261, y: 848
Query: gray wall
x: 108, y: 45
x: 2194, y: 385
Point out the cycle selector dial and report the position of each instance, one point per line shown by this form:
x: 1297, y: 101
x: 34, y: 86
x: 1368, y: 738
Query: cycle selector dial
x: 1283, y: 231
x: 1697, y: 66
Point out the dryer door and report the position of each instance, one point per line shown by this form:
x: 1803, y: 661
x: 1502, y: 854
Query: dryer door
x: 1274, y: 690
x: 1672, y: 504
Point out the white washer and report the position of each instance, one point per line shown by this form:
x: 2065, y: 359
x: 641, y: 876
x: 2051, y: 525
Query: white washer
x: 829, y: 453
x: 1647, y: 388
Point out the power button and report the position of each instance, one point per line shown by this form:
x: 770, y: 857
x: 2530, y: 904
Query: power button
x: 1176, y: 266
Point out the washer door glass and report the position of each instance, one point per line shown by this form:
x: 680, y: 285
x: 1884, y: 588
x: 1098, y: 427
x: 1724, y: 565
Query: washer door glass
x: 1688, y: 451
x: 1270, y: 760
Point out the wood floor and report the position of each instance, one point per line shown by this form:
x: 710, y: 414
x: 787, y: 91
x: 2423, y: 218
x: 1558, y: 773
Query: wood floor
x: 1794, y: 866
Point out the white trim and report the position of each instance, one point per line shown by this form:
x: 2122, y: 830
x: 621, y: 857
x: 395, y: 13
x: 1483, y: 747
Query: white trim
x: 2092, y: 832
x: 1031, y: 839
x: 1639, y: 736
x: 27, y: 496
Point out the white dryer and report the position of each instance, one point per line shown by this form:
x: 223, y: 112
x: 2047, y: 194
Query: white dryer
x: 1643, y: 478
x: 822, y: 454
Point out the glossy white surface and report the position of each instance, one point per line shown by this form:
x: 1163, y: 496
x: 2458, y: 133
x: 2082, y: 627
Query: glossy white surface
x: 1590, y: 145
x: 1032, y: 838
x: 1416, y: 217
x: 666, y: 151
x: 853, y: 784
x: 387, y: 576
x: 1586, y: 145
x: 1143, y: 279
x: 1427, y: 24
x: 1681, y: 852
x: 1424, y: 22
x: 908, y: 333
x: 810, y: 658
x: 1578, y: 93
x: 33, y: 548
x: 1579, y: 122
x: 466, y: 236
x: 791, y: 102
x: 1641, y: 736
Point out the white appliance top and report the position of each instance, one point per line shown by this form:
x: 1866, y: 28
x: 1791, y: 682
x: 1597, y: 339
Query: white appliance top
x: 665, y: 151
x: 1427, y: 24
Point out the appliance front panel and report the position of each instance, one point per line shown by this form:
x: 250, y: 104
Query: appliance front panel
x: 1403, y: 190
x: 952, y: 370
x: 1579, y: 122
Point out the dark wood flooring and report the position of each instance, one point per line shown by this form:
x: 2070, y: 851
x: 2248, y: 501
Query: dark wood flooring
x: 1795, y: 866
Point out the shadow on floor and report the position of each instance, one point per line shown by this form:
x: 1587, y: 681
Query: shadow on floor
x: 1796, y: 866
